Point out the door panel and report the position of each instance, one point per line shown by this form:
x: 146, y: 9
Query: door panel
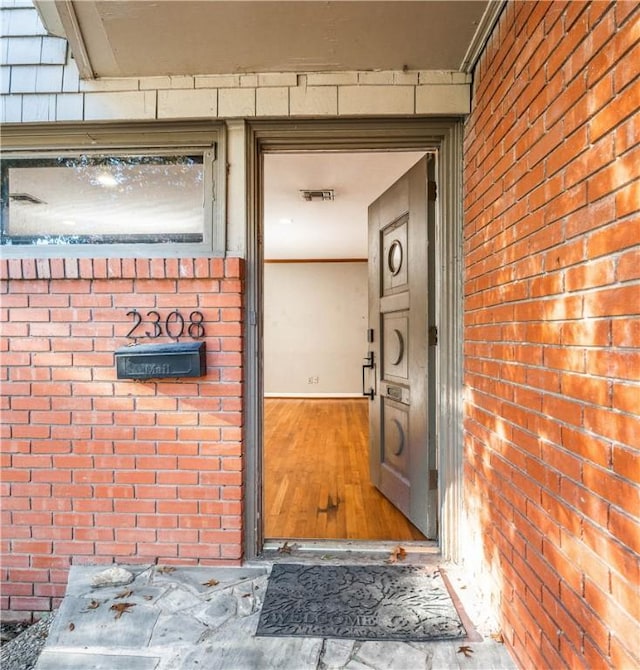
x: 400, y: 459
x: 395, y: 335
x: 394, y: 262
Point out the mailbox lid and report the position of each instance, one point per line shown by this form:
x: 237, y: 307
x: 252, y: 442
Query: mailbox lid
x: 157, y: 361
x: 165, y: 347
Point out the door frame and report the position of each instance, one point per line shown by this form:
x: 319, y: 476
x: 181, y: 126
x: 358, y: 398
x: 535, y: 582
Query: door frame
x: 445, y: 137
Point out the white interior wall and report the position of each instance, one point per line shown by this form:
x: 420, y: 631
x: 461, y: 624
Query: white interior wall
x: 315, y: 325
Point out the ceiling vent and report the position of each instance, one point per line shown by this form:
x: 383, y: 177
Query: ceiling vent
x: 26, y: 197
x: 317, y: 194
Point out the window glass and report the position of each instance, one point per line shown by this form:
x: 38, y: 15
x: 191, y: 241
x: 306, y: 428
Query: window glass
x: 103, y: 199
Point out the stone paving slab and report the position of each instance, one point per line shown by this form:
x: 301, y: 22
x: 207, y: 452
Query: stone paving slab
x: 66, y: 660
x: 206, y: 619
x: 177, y: 629
x: 99, y: 627
x: 236, y: 648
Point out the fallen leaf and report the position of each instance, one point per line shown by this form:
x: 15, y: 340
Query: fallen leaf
x: 148, y: 597
x: 165, y: 569
x: 125, y: 594
x: 72, y: 626
x: 247, y: 595
x: 121, y: 608
x: 466, y: 650
x: 398, y: 554
x: 287, y: 548
x: 498, y: 637
x: 211, y: 582
x: 93, y: 605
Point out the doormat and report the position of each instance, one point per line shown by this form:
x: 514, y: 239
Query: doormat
x: 358, y: 602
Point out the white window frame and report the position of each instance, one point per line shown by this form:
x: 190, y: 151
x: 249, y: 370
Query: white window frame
x: 206, y: 138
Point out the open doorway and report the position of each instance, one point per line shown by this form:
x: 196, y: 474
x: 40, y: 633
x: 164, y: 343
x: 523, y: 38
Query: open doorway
x: 316, y: 294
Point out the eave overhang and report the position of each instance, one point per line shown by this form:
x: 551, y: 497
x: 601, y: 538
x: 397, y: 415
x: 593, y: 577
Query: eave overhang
x: 134, y: 38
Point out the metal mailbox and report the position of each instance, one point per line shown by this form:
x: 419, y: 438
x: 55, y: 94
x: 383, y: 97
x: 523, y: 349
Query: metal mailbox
x: 157, y: 361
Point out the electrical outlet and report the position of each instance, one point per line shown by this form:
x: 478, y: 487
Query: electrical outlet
x: 313, y: 380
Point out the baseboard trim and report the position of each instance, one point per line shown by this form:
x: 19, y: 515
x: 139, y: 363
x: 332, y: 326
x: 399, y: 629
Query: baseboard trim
x: 313, y: 395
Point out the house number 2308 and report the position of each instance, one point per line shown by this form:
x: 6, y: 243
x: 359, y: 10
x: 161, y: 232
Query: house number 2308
x: 174, y: 325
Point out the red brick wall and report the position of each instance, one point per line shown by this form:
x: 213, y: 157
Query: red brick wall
x: 552, y: 298
x: 97, y: 469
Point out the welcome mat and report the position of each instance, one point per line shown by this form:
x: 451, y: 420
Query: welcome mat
x: 363, y: 602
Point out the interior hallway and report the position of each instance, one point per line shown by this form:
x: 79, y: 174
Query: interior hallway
x: 316, y: 474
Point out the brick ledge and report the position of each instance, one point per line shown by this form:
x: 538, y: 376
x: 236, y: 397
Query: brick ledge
x: 121, y: 268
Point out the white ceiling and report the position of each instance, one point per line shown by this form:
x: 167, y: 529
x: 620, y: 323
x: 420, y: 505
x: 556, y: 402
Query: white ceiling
x: 120, y: 38
x: 325, y: 229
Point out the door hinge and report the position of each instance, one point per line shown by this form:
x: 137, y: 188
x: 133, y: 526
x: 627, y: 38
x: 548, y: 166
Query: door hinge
x: 432, y: 191
x: 252, y: 317
x: 433, y: 336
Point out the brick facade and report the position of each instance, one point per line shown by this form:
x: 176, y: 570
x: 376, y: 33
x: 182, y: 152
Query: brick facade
x: 552, y: 328
x: 97, y: 469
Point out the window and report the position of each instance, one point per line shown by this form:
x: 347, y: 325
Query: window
x: 113, y: 200
x: 103, y: 199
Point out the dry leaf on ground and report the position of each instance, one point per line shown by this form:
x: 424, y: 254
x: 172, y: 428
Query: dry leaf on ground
x: 211, y: 582
x: 121, y: 608
x: 398, y: 554
x: 125, y: 594
x: 93, y: 605
x: 466, y: 650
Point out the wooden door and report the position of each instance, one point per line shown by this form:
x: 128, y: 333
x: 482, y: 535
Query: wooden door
x: 396, y: 375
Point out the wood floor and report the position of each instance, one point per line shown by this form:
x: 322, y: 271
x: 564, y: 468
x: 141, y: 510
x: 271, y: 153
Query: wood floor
x: 316, y: 474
